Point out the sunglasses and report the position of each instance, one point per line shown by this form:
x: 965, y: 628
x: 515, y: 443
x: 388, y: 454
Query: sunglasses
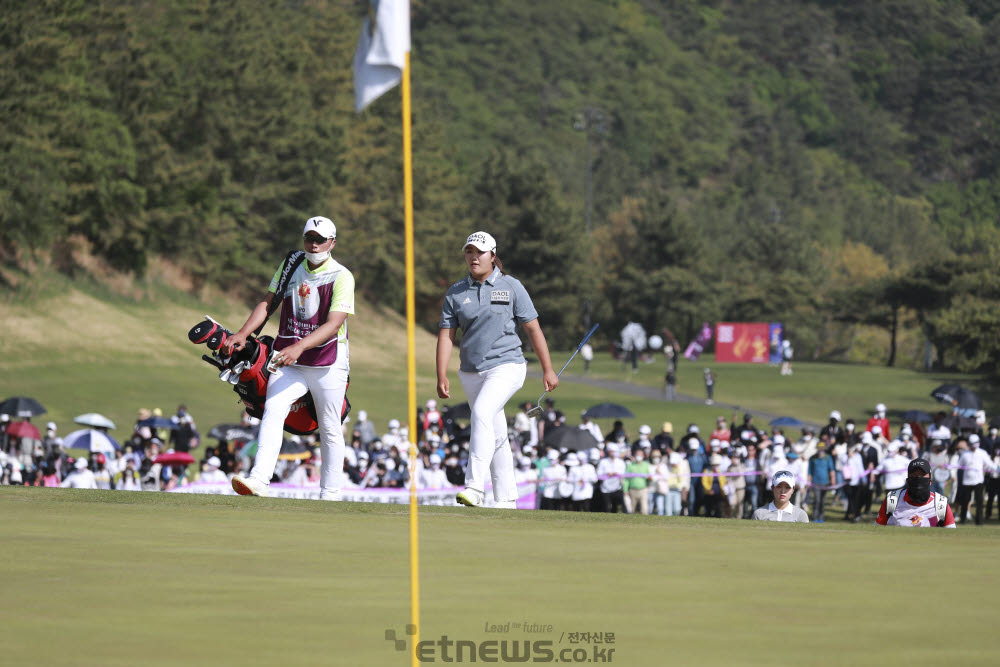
x: 313, y: 238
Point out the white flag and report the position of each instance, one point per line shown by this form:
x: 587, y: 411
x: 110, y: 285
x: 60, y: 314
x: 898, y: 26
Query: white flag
x: 382, y: 49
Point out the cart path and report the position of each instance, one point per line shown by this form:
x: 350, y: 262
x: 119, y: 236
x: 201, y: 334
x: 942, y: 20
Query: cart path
x: 656, y: 394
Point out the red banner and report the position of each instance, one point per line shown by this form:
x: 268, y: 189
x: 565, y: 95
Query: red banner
x: 742, y: 342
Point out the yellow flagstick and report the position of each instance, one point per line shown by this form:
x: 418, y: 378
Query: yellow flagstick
x: 411, y: 363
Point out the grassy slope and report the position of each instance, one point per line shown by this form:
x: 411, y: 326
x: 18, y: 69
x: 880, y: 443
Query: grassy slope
x: 170, y: 579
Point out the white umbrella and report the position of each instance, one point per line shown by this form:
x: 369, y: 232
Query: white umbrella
x: 95, y: 420
x: 91, y: 440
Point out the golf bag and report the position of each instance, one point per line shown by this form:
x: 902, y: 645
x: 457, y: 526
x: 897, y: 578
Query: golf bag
x: 247, y: 369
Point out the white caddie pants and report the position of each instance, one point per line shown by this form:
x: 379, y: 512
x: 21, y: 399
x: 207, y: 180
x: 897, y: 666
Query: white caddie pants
x: 489, y: 448
x: 328, y: 385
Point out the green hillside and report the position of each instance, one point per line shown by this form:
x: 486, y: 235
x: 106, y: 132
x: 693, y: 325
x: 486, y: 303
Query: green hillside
x: 826, y: 165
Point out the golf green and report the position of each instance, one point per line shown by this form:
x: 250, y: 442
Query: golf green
x: 120, y: 578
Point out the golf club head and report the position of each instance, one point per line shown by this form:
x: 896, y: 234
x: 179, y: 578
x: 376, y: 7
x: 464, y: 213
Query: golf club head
x: 534, y: 412
x: 224, y: 375
x: 234, y: 378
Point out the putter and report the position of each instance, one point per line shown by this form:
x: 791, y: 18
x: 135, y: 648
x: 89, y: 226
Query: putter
x: 537, y: 410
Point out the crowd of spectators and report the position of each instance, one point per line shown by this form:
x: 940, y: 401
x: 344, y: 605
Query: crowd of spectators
x: 723, y: 473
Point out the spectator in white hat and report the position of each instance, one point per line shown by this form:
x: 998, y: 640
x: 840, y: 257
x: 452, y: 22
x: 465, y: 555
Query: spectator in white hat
x: 781, y: 508
x: 610, y: 471
x: 879, y: 419
x: 81, y: 477
x: 833, y: 430
x: 552, y: 475
x: 392, y: 437
x: 644, y: 442
x: 583, y: 476
x: 212, y: 474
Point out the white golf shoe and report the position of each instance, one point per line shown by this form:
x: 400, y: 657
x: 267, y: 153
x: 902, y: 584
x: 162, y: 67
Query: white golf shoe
x: 248, y: 486
x: 470, y: 498
x: 506, y: 505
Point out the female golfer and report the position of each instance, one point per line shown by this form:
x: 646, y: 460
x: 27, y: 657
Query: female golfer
x: 488, y: 305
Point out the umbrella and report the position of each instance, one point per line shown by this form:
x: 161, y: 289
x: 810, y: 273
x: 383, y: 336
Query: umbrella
x: 157, y: 422
x: 995, y: 422
x: 570, y: 438
x: 174, y: 459
x: 918, y: 416
x: 91, y: 440
x: 607, y: 410
x: 21, y: 406
x: 230, y: 432
x: 785, y: 421
x: 958, y: 397
x: 24, y: 430
x: 291, y: 451
x: 251, y: 447
x: 460, y: 411
x: 95, y: 420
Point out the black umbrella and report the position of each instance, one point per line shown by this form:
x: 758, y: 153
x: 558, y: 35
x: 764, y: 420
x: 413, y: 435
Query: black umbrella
x: 608, y: 410
x: 22, y: 406
x: 956, y: 423
x: 569, y: 437
x: 957, y: 396
x: 230, y: 432
x: 158, y: 422
x: 918, y: 416
x: 460, y: 411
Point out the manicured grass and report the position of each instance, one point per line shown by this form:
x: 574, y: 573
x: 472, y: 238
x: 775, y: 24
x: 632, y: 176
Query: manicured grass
x: 119, y: 578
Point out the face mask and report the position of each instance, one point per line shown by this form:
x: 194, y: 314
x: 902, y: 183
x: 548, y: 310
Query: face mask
x: 919, y: 489
x: 318, y: 257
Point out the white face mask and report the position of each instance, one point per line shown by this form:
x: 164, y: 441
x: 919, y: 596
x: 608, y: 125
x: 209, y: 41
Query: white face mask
x: 318, y: 257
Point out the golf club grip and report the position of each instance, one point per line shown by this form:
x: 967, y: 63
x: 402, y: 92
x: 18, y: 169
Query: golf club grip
x: 212, y: 361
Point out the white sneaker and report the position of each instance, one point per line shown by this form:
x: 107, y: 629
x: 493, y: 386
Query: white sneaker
x: 506, y: 505
x: 330, y: 495
x: 248, y: 486
x: 470, y: 498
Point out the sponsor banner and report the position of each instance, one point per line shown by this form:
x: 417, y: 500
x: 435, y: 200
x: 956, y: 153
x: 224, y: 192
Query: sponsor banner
x: 445, y: 496
x: 742, y: 342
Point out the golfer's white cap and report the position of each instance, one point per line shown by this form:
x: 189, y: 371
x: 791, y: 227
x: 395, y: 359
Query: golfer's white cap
x: 783, y: 477
x: 835, y: 415
x: 214, y: 462
x: 322, y: 226
x: 481, y: 240
x: 81, y: 463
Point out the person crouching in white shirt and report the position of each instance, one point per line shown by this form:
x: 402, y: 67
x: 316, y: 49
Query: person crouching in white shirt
x: 781, y: 508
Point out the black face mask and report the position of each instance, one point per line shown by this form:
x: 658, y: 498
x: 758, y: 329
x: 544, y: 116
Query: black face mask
x: 919, y: 489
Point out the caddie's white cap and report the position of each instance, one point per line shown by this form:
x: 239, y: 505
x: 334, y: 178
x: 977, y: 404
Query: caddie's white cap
x: 322, y: 226
x: 783, y: 477
x: 481, y: 240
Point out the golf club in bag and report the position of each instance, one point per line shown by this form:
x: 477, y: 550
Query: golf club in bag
x: 537, y: 410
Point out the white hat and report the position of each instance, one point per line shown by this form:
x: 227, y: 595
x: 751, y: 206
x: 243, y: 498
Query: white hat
x: 783, y: 477
x: 322, y: 226
x: 715, y: 443
x: 973, y: 439
x: 867, y: 438
x: 893, y: 446
x: 611, y: 448
x: 81, y: 463
x: 482, y: 241
x: 694, y: 428
x: 362, y: 415
x: 645, y: 430
x: 880, y: 407
x: 214, y: 462
x: 552, y: 455
x: 778, y: 451
x: 778, y: 439
x: 595, y: 454
x: 526, y: 449
x: 51, y: 426
x: 393, y: 423
x: 692, y: 443
x: 363, y: 454
x: 835, y: 415
x: 675, y: 458
x: 715, y: 460
x: 432, y: 404
x: 435, y: 459
x: 572, y: 459
x: 876, y: 430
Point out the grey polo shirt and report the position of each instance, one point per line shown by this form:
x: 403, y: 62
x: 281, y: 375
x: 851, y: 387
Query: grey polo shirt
x: 772, y: 513
x: 488, y: 315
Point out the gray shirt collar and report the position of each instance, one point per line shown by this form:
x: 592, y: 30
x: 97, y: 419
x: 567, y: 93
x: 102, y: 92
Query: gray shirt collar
x: 490, y: 279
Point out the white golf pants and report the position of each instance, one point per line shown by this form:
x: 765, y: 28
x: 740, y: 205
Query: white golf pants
x: 489, y: 448
x: 328, y: 385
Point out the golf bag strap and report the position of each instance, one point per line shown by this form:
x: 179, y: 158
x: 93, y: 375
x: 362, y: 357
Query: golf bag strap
x: 288, y: 267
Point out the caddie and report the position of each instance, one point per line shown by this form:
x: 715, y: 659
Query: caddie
x: 915, y: 505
